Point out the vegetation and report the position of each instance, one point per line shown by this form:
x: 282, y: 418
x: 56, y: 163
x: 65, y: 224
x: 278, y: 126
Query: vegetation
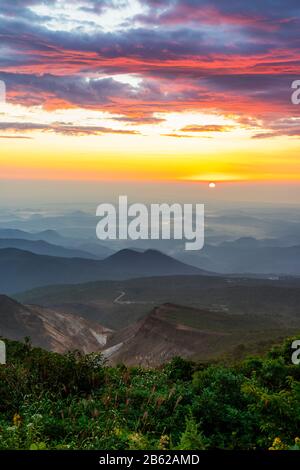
x: 72, y: 401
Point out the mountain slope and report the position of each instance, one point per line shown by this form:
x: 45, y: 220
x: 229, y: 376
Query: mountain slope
x: 86, y: 248
x: 50, y: 236
x: 22, y: 270
x: 41, y: 247
x: 100, y: 300
x: 174, y: 330
x: 148, y: 263
x: 154, y: 340
x: 55, y: 331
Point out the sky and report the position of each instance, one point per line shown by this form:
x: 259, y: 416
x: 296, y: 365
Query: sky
x: 178, y: 91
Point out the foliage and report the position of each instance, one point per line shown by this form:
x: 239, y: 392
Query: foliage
x: 75, y: 401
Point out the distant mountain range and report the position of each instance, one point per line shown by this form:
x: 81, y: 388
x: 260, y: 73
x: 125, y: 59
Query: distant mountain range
x: 40, y: 247
x: 86, y: 248
x: 50, y: 236
x: 55, y: 331
x: 247, y: 255
x: 22, y: 270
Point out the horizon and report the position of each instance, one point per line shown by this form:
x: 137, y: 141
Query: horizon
x: 22, y: 193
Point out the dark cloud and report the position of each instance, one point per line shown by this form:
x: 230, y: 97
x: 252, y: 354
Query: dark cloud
x: 190, y: 55
x: 137, y: 104
x: 35, y: 45
x: 236, y: 10
x: 21, y: 9
x: 289, y: 127
x: 29, y: 89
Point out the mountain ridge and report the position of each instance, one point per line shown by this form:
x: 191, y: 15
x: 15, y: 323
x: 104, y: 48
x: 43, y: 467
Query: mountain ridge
x: 42, y: 247
x: 49, y: 329
x: 23, y: 270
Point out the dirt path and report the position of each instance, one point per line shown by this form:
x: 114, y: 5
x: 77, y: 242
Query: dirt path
x: 118, y: 300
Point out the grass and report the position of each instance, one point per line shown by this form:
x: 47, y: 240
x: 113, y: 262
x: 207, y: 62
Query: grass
x: 71, y: 401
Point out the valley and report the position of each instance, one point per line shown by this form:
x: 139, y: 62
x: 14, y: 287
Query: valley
x: 153, y: 319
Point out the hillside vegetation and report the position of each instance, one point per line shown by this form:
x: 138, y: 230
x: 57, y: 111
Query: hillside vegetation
x: 75, y: 401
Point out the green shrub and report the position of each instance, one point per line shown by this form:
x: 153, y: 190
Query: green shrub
x: 75, y: 401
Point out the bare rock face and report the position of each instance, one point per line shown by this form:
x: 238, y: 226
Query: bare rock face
x: 50, y: 329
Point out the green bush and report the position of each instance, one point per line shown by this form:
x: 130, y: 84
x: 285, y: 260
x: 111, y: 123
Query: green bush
x: 75, y: 401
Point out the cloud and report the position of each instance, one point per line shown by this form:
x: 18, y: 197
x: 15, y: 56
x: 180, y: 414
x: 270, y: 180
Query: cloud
x: 206, y: 128
x: 99, y: 6
x: 261, y: 15
x: 178, y: 136
x: 15, y: 137
x: 37, y: 49
x: 53, y: 91
x: 61, y: 128
x: 238, y: 57
x: 139, y: 120
x: 288, y: 127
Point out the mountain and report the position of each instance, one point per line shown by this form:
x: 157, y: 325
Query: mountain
x: 23, y: 270
x: 200, y: 317
x: 154, y: 340
x: 116, y: 304
x: 247, y: 255
x: 40, y: 247
x: 94, y: 248
x: 174, y: 330
x: 50, y: 236
x: 147, y: 263
x: 89, y: 248
x: 55, y: 331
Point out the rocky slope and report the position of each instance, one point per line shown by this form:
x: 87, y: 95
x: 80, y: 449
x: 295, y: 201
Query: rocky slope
x: 50, y: 329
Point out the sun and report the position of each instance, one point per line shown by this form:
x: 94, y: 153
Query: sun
x: 212, y: 185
